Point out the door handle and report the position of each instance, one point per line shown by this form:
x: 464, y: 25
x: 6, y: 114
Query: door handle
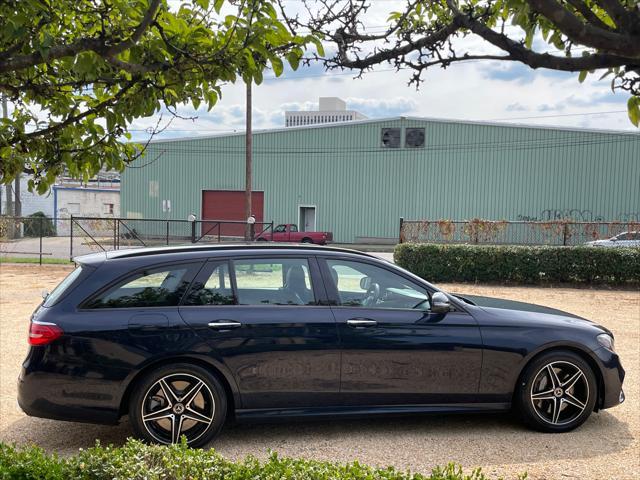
x: 224, y: 324
x: 361, y: 322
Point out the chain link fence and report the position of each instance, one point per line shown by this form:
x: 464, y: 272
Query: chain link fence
x: 502, y: 232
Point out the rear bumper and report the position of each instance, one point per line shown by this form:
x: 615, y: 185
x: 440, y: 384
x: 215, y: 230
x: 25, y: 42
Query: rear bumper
x: 612, y: 378
x: 58, y: 397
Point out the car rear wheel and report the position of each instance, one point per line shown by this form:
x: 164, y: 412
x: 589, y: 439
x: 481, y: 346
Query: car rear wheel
x: 557, y: 392
x: 307, y: 240
x: 175, y: 401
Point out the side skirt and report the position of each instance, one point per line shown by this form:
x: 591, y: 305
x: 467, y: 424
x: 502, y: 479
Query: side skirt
x: 249, y: 415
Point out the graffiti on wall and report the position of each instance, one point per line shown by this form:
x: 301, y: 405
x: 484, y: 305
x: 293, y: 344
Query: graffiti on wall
x: 576, y: 214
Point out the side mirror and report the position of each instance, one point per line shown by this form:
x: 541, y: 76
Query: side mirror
x: 365, y: 283
x: 440, y: 303
x: 44, y: 294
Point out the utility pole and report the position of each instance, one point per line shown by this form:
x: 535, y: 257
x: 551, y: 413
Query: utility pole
x: 7, y: 189
x: 12, y: 230
x: 248, y: 164
x: 17, y: 209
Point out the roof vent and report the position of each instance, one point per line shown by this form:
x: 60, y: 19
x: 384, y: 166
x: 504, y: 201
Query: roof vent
x: 391, y: 137
x: 414, y: 138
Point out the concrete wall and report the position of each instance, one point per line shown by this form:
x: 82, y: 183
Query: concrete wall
x: 84, y: 202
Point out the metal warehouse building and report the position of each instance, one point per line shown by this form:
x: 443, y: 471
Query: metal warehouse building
x: 358, y: 178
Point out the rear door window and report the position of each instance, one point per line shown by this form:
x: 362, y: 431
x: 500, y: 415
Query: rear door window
x: 154, y: 287
x: 212, y: 286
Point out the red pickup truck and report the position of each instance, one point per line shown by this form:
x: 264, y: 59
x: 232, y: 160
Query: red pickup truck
x: 288, y: 232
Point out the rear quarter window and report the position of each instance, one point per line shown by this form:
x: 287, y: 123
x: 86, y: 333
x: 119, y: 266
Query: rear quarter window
x: 153, y: 287
x: 62, y: 287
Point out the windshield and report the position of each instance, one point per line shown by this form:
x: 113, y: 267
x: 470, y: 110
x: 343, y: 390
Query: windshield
x: 54, y: 296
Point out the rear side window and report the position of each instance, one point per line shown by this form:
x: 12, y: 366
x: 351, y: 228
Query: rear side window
x: 156, y: 287
x: 62, y: 287
x: 212, y: 286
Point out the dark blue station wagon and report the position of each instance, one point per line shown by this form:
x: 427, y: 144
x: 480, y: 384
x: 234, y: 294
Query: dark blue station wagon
x: 181, y: 338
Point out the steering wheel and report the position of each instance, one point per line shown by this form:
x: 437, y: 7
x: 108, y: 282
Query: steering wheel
x: 373, y: 295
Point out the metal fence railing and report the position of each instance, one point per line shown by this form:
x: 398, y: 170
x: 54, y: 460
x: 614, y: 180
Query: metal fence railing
x: 64, y: 238
x: 502, y: 232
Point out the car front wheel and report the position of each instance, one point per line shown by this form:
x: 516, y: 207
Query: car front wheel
x: 175, y: 401
x: 557, y: 392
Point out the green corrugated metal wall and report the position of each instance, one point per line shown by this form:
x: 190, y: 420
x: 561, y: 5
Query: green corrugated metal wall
x: 360, y: 189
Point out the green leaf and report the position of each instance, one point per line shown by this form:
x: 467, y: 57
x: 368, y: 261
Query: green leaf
x: 217, y: 5
x: 294, y: 60
x: 582, y: 76
x: 277, y: 66
x: 633, y: 107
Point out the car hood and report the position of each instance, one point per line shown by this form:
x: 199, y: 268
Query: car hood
x: 500, y: 303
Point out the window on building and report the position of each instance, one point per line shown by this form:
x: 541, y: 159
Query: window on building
x: 73, y: 208
x: 414, y: 138
x: 107, y: 208
x: 391, y: 138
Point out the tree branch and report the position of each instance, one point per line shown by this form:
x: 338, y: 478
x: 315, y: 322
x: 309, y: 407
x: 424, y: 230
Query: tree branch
x: 584, y: 33
x: 100, y: 46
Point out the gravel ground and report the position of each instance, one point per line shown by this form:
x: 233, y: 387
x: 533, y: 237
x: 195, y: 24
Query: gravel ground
x: 606, y: 447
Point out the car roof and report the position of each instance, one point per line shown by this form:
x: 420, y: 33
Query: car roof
x: 215, y: 250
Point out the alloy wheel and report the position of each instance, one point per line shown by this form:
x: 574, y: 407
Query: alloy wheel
x: 175, y: 405
x: 559, y: 393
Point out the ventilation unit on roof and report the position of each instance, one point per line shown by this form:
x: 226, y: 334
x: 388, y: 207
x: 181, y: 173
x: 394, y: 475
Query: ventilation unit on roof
x: 391, y: 137
x: 414, y: 138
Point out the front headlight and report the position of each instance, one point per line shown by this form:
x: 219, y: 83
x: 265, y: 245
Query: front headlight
x: 606, y: 341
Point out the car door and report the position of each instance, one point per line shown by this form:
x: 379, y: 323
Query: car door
x: 394, y: 350
x: 266, y: 319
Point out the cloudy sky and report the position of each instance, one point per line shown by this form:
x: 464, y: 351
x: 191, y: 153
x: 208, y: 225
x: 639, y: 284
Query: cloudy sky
x: 491, y: 91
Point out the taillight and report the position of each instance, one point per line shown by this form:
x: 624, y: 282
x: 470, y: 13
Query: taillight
x: 41, y: 333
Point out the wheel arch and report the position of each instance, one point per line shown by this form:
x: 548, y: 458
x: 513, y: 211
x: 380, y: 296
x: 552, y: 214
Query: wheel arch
x: 583, y: 353
x: 233, y: 397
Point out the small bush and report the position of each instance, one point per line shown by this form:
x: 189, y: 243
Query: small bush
x: 135, y: 460
x: 38, y: 224
x: 520, y: 264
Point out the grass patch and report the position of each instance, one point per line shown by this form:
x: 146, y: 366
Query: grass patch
x: 36, y: 260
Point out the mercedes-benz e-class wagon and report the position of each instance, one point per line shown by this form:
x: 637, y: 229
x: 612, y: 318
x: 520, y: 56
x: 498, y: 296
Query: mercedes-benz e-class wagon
x: 179, y: 339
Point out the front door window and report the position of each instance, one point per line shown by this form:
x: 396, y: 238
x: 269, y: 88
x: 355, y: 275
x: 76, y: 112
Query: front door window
x: 359, y: 284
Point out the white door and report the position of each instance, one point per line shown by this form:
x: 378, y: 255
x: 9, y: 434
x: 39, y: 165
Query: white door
x: 307, y: 219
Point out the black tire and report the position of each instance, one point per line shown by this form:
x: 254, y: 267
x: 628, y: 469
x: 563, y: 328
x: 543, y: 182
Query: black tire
x: 198, y: 417
x: 262, y: 239
x: 557, y: 392
x: 307, y: 240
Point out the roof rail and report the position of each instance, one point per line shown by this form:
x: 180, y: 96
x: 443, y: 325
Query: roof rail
x: 141, y: 252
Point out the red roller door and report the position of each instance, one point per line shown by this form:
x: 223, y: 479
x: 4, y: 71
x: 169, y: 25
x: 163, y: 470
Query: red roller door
x: 229, y: 205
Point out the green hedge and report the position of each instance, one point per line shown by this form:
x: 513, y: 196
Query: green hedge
x: 136, y: 460
x: 37, y: 225
x: 520, y: 264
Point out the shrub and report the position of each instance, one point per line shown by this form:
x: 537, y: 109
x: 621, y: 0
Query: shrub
x: 38, y: 224
x: 136, y: 460
x: 520, y: 264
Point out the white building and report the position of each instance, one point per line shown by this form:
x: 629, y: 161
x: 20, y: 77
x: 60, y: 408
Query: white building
x: 96, y: 201
x: 31, y: 202
x: 330, y: 110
